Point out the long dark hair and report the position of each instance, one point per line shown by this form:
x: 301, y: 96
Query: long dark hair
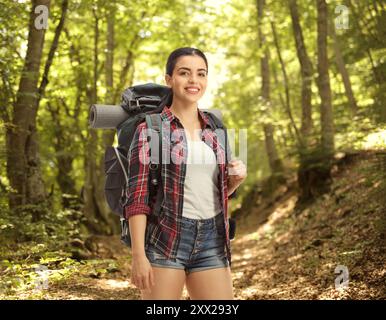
x: 170, y: 65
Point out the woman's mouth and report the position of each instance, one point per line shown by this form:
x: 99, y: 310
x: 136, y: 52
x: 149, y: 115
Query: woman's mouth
x: 192, y: 90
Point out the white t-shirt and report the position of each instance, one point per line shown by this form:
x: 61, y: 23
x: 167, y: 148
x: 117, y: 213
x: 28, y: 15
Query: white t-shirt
x: 201, y: 192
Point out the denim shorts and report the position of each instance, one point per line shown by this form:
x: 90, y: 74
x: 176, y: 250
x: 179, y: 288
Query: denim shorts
x: 201, y: 247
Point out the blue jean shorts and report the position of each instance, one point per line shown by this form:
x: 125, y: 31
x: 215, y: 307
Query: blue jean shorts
x: 201, y: 247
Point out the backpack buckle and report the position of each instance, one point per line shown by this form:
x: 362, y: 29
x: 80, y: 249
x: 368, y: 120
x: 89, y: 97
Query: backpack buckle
x: 153, y: 166
x: 136, y: 107
x: 153, y: 173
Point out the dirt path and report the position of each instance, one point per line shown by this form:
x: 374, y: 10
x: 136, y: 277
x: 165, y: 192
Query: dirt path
x: 279, y: 253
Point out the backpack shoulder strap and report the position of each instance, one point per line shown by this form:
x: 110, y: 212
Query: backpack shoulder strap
x: 154, y: 122
x: 215, y: 121
x: 218, y: 124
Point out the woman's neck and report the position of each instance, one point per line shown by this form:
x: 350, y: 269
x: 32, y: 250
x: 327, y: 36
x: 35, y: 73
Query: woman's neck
x: 185, y: 112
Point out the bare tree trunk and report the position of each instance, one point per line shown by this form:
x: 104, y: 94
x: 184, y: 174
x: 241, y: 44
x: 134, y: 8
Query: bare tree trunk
x: 306, y: 72
x: 290, y: 127
x: 108, y: 135
x: 64, y: 159
x: 54, y: 47
x: 327, y: 121
x: 314, y: 175
x: 287, y: 103
x: 128, y: 67
x: 306, y: 156
x: 343, y: 71
x: 23, y: 167
x: 96, y: 221
x: 28, y: 181
x: 100, y: 218
x: 275, y: 162
x: 64, y: 135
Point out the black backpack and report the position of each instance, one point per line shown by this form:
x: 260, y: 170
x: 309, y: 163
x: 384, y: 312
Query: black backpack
x: 142, y: 103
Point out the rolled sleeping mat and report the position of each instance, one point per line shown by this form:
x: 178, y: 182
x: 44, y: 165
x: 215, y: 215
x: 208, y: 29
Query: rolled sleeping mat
x: 103, y: 116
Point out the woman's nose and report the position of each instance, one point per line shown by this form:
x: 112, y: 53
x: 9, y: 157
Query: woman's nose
x: 193, y: 79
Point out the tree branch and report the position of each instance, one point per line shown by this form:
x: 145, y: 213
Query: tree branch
x: 53, y: 49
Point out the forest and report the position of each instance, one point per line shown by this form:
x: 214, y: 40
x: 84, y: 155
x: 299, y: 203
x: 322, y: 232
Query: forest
x: 306, y: 80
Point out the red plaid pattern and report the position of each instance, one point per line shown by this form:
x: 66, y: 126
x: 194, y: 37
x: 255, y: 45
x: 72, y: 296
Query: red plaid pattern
x: 165, y: 234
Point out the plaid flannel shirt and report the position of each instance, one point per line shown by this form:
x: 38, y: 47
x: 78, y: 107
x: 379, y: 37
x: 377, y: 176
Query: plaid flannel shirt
x: 164, y: 234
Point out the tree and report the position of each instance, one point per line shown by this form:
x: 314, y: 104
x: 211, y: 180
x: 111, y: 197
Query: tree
x: 22, y: 147
x: 306, y: 176
x: 287, y: 102
x: 327, y: 121
x: 343, y: 71
x: 273, y: 157
x: 23, y: 163
x: 306, y: 71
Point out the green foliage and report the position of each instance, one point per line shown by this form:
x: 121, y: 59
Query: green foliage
x: 29, y: 280
x: 53, y: 228
x: 145, y: 32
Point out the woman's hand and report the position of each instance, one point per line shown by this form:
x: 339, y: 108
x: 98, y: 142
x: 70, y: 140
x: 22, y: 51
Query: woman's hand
x: 142, y: 275
x: 237, y: 172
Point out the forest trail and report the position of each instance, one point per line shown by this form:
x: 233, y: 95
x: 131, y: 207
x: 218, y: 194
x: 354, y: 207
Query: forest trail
x: 286, y: 255
x: 297, y: 83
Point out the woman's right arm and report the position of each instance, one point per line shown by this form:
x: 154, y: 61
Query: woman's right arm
x: 141, y: 271
x: 137, y: 225
x: 137, y: 207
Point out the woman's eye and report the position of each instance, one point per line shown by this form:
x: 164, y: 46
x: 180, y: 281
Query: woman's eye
x: 201, y: 74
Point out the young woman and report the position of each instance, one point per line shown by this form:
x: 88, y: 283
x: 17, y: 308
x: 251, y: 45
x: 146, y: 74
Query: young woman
x: 188, y: 242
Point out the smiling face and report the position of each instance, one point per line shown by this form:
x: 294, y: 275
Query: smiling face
x: 189, y: 79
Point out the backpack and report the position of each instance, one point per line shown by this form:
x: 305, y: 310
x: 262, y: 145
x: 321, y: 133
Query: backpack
x: 142, y: 103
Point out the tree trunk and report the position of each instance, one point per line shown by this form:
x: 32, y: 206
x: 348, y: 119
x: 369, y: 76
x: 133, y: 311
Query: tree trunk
x: 108, y: 135
x: 343, y: 71
x: 287, y: 103
x: 315, y: 162
x: 306, y: 154
x: 23, y: 167
x: 99, y: 215
x: 306, y: 72
x: 327, y: 121
x: 64, y: 159
x: 275, y: 162
x: 314, y: 176
x: 96, y: 221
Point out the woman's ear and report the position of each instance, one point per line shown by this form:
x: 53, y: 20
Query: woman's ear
x: 168, y: 80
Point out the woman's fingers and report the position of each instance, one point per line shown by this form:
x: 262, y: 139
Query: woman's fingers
x: 234, y: 162
x: 145, y: 282
x: 142, y: 274
x: 236, y: 168
x: 138, y: 282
